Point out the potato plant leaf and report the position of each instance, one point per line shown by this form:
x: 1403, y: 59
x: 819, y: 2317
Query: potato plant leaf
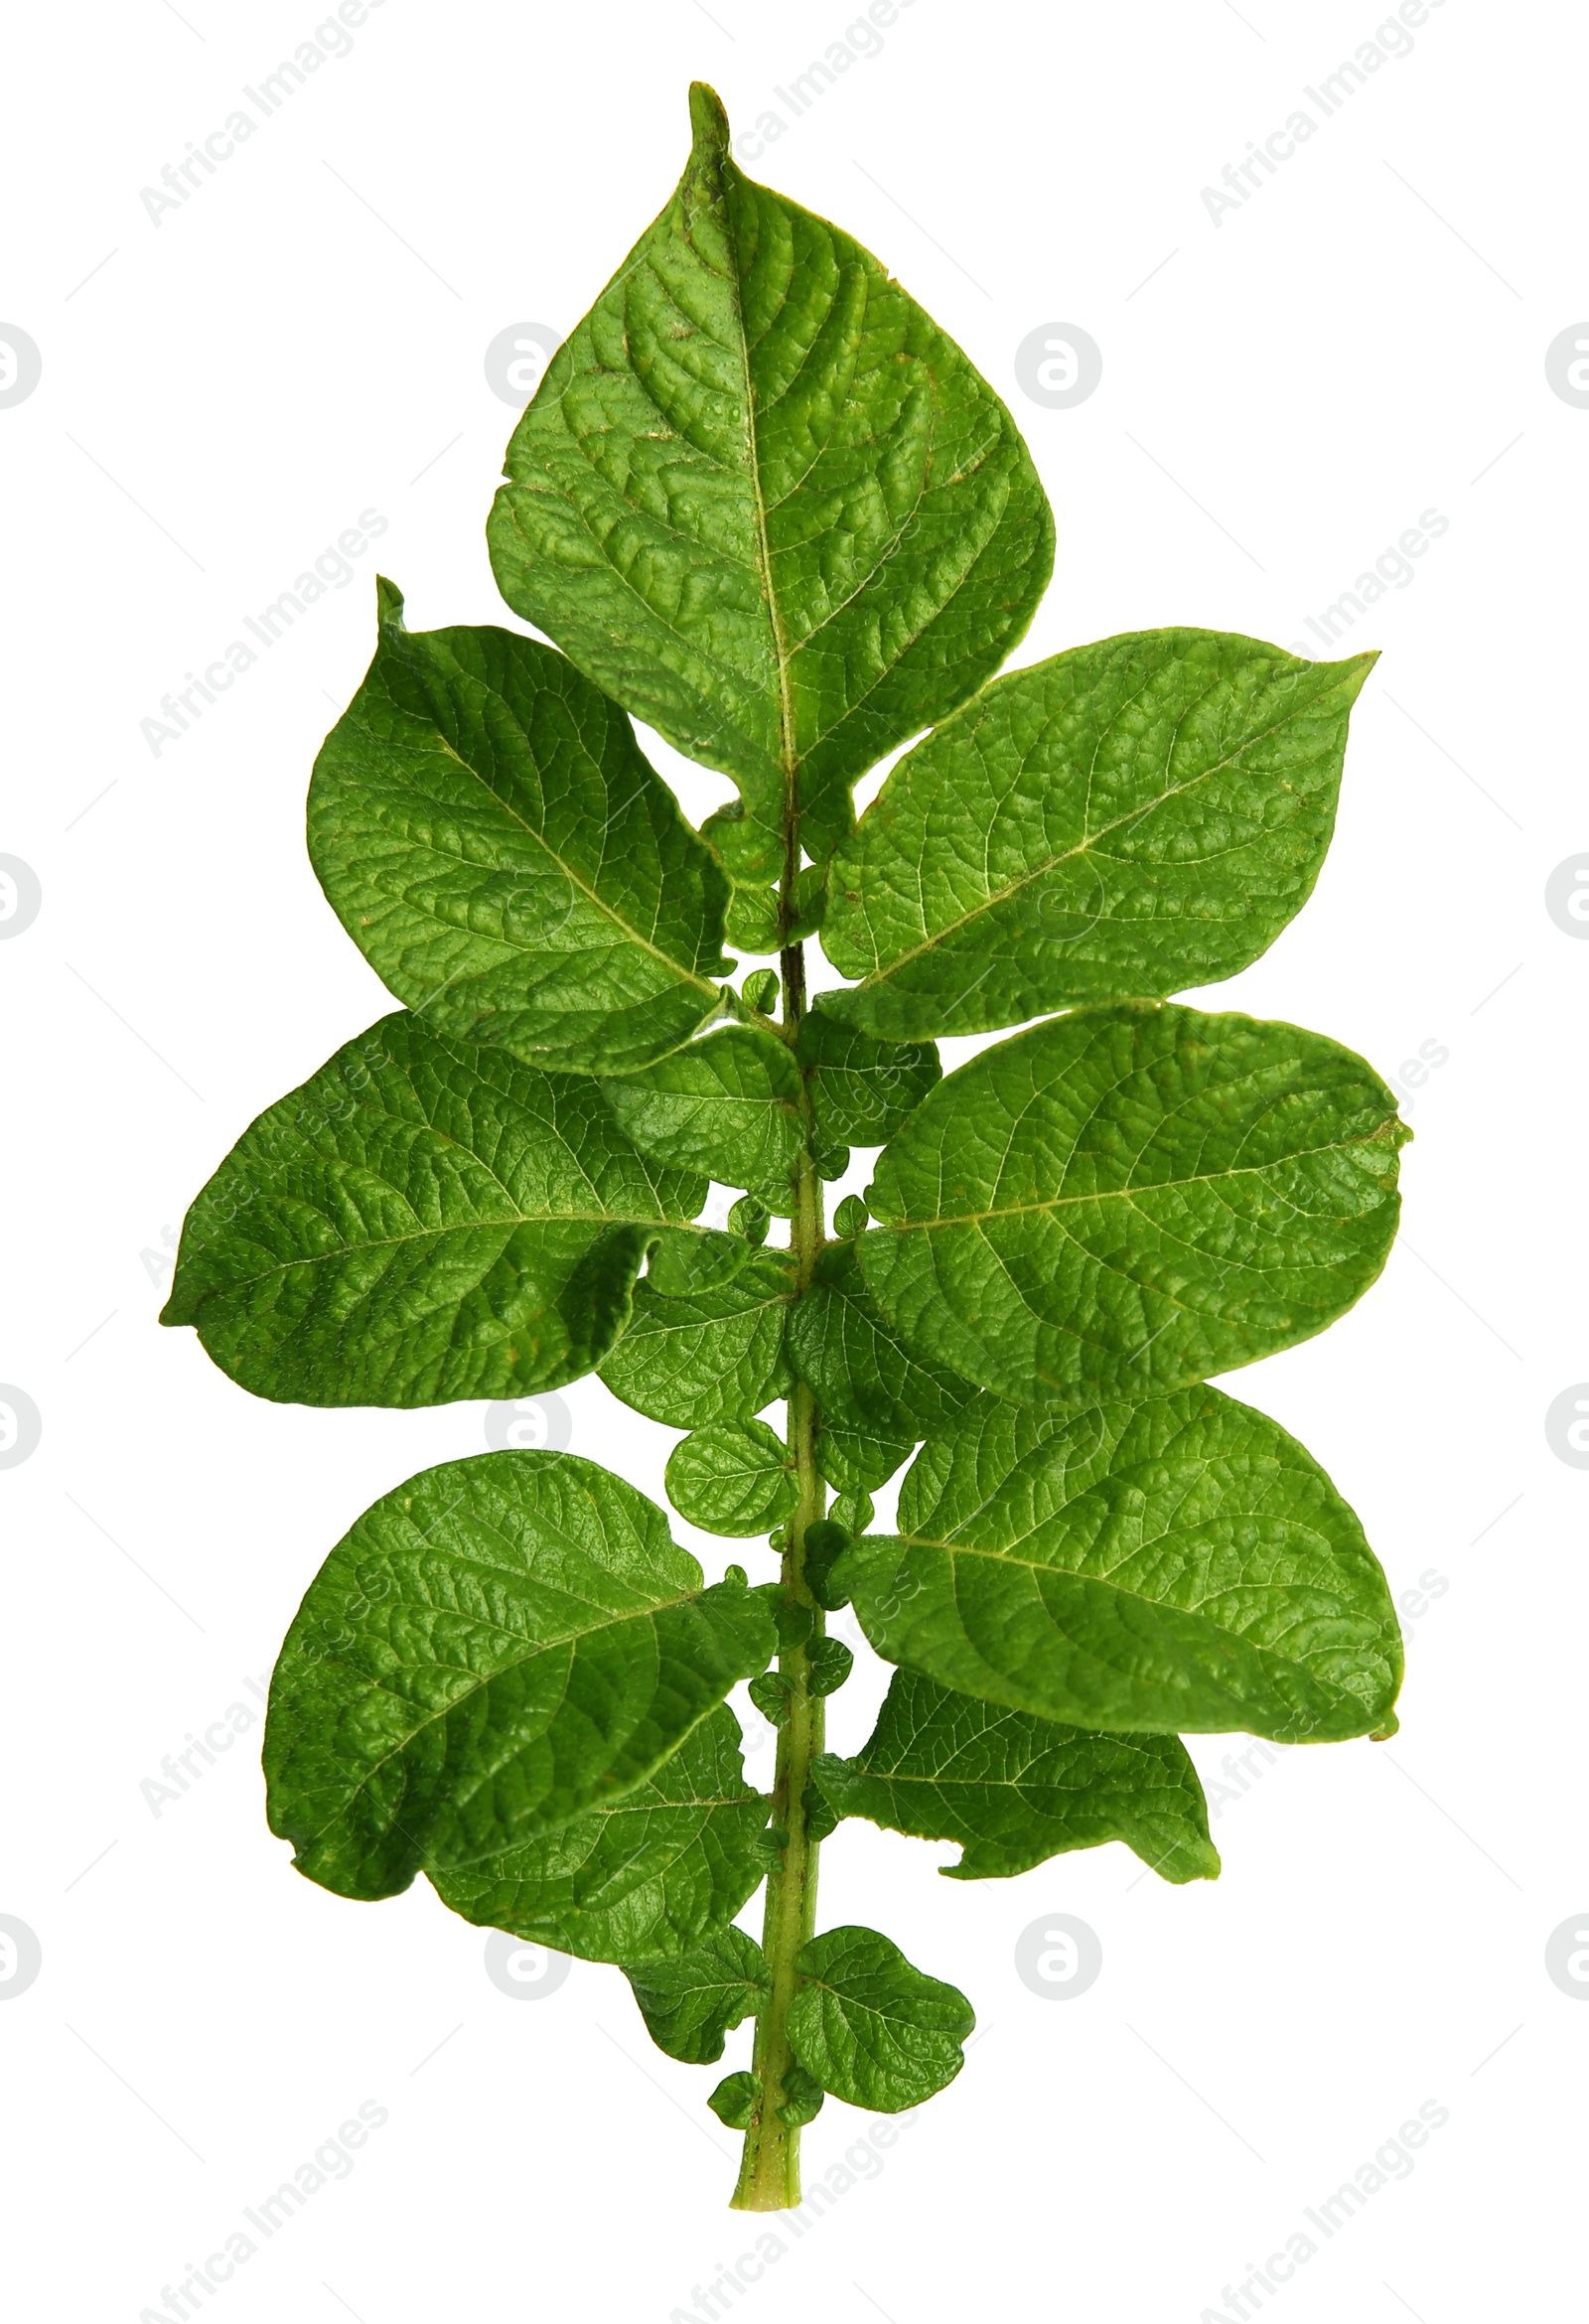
x: 497, y: 1647
x: 732, y: 1476
x: 1015, y: 1790
x: 863, y: 1375
x: 490, y: 837
x: 863, y: 1090
x: 763, y: 502
x: 870, y: 2028
x: 639, y: 1878
x: 426, y: 1219
x: 1176, y: 1565
x: 712, y: 1355
x: 728, y: 1105
x: 690, y: 2003
x: 1118, y: 822
x: 1127, y: 1199
x: 768, y: 505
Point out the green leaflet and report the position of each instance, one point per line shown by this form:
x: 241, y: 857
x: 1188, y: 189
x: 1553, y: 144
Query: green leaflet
x: 1125, y: 1199
x: 855, y: 1459
x: 495, y: 1648
x: 490, y: 837
x: 863, y: 1090
x: 1118, y: 822
x: 718, y: 1354
x: 639, y: 1878
x: 732, y: 1476
x: 803, y: 2097
x: 689, y: 2004
x: 768, y: 505
x: 728, y: 1105
x: 1179, y: 1565
x: 424, y: 1220
x: 872, y: 2029
x: 862, y: 1374
x: 733, y: 2102
x: 1015, y: 1790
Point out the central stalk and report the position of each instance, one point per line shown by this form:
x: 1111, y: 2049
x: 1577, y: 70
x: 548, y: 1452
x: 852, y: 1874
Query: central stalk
x: 770, y: 2171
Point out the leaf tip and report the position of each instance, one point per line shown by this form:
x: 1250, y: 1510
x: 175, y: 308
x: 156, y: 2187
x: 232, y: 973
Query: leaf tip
x: 388, y: 604
x: 708, y: 120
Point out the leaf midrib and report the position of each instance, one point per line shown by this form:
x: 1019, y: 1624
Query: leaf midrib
x: 1033, y: 1565
x: 1130, y: 1194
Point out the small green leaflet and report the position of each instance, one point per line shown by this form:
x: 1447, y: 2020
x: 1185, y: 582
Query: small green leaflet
x: 1015, y: 1790
x: 490, y: 837
x: 728, y: 1105
x: 768, y: 505
x: 689, y: 2004
x: 733, y: 2102
x: 1180, y: 1565
x: 716, y: 1355
x: 855, y: 1459
x: 732, y: 1476
x: 496, y: 1647
x: 862, y: 1090
x: 803, y: 2097
x: 639, y: 1878
x: 863, y: 1376
x: 1118, y: 822
x: 426, y: 1219
x: 872, y: 2029
x: 1127, y: 1199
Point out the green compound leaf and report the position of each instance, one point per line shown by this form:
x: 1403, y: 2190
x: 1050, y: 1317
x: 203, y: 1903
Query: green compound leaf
x: 872, y: 2029
x: 1015, y: 1790
x: 718, y: 1354
x: 862, y: 1090
x: 1128, y: 1198
x: 490, y: 837
x: 690, y: 2004
x: 733, y: 1477
x: 857, y: 1366
x: 640, y: 1878
x: 1119, y: 822
x: 495, y: 1648
x: 424, y: 1220
x: 767, y: 505
x: 1180, y: 1565
x: 728, y: 1105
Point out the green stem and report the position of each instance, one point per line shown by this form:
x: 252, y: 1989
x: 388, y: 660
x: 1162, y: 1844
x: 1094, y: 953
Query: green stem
x: 770, y: 2170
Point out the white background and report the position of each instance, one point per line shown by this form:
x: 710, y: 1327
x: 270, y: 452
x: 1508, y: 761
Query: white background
x: 303, y: 340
